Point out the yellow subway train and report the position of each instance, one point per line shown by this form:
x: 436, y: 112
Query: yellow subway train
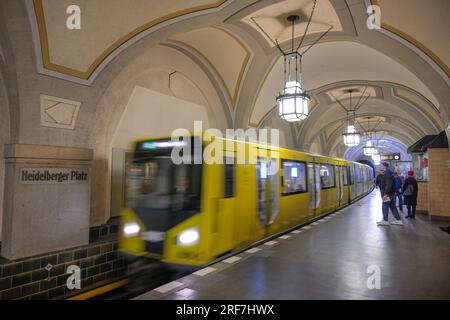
x: 190, y: 214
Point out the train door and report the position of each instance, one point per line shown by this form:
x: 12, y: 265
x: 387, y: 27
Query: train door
x: 267, y: 183
x: 353, y: 179
x: 318, y: 185
x: 340, y: 184
x: 314, y: 186
x: 347, y: 182
x: 226, y: 213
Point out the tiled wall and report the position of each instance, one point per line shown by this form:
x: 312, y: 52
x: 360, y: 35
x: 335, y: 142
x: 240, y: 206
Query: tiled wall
x: 104, y: 231
x: 422, y: 196
x: 28, y: 279
x: 439, y: 182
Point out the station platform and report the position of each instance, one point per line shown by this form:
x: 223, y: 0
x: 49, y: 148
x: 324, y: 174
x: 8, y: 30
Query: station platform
x: 330, y: 259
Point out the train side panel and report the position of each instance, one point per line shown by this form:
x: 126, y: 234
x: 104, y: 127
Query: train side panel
x: 294, y: 191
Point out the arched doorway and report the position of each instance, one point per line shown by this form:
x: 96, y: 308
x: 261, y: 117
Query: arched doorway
x: 4, y: 139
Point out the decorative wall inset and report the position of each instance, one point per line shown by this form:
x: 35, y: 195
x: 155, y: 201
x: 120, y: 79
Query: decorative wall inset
x: 58, y: 112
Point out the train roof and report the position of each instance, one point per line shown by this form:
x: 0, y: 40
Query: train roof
x: 268, y: 146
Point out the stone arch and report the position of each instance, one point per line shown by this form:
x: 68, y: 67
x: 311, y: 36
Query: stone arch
x: 151, y: 70
x: 5, y: 136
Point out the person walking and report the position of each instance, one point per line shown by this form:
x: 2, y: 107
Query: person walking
x: 410, y: 190
x: 398, y: 190
x: 388, y: 195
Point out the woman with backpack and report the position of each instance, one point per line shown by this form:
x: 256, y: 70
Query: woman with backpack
x: 409, y: 191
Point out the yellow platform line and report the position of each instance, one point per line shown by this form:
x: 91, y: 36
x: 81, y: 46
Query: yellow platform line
x: 98, y: 291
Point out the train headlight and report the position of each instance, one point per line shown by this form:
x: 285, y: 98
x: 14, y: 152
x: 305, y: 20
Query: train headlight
x: 131, y: 229
x: 188, y: 237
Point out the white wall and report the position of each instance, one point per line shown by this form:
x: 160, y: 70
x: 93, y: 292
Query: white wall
x: 148, y: 114
x: 153, y: 114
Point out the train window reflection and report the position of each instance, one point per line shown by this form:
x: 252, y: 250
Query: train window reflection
x: 294, y: 177
x: 327, y: 176
x: 157, y: 183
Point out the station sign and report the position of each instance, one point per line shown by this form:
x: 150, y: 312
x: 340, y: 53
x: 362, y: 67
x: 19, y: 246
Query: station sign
x: 53, y: 175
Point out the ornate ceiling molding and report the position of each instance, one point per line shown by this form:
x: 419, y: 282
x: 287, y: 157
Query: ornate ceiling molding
x: 86, y: 77
x: 414, y: 44
x: 232, y: 93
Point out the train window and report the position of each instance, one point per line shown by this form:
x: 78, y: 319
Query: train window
x: 346, y: 175
x: 352, y: 174
x: 293, y: 177
x: 356, y: 176
x: 229, y: 180
x: 359, y: 177
x: 327, y: 176
x: 157, y: 184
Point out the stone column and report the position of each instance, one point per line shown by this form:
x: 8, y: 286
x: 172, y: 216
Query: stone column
x: 47, y: 199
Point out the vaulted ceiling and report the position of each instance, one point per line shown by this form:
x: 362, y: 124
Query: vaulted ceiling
x: 403, y: 67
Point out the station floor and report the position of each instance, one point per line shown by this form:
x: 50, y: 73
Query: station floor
x: 329, y: 259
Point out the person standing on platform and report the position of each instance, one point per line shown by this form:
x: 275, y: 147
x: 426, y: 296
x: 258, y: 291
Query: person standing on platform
x: 378, y: 178
x: 410, y: 190
x: 398, y: 190
x: 388, y: 195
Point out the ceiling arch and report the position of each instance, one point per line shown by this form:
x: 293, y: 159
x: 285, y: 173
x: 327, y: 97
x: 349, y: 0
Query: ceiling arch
x: 406, y: 134
x: 395, y: 135
x: 224, y: 52
x: 338, y: 61
x: 326, y: 115
x: 424, y: 25
x: 211, y: 73
x: 351, y: 53
x: 79, y: 53
x: 389, y: 145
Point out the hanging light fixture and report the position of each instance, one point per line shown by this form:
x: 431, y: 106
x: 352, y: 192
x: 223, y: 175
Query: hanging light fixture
x: 368, y: 149
x: 376, y: 159
x: 351, y: 135
x: 370, y: 134
x: 293, y: 101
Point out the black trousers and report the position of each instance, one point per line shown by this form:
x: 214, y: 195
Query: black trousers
x: 413, y: 213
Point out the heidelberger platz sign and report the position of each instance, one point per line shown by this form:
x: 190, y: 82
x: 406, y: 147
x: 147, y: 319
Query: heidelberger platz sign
x: 53, y: 175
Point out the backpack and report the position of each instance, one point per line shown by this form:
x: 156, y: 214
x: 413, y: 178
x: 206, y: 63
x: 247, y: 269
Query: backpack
x: 409, y: 191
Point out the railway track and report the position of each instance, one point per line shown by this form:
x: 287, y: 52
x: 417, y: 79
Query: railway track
x: 149, y: 277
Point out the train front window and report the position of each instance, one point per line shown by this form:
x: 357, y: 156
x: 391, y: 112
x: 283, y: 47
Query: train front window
x: 157, y: 183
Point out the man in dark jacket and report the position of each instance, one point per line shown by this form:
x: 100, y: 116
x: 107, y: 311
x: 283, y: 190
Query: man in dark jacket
x: 387, y: 190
